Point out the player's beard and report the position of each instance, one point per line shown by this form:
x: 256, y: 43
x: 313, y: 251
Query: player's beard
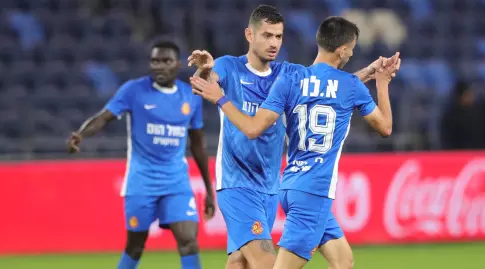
x: 266, y: 59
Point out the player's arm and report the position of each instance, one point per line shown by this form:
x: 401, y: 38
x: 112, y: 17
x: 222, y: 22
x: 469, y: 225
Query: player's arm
x: 199, y: 153
x: 252, y: 127
x: 369, y: 72
x: 380, y: 119
x: 95, y: 123
x: 207, y: 68
x: 114, y: 108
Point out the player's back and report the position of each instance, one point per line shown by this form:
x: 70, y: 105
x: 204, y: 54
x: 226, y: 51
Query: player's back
x: 242, y: 162
x: 319, y: 108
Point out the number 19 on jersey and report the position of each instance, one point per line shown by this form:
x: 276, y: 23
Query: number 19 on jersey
x: 311, y: 115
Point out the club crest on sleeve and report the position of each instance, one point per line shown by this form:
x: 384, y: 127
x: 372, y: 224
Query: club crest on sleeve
x: 185, y: 108
x: 133, y: 222
x: 257, y: 228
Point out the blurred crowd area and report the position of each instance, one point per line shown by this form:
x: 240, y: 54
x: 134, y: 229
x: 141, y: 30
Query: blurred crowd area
x: 60, y: 61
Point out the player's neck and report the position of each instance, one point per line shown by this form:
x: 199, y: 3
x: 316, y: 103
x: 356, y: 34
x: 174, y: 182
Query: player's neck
x: 327, y: 58
x: 167, y: 85
x: 256, y: 63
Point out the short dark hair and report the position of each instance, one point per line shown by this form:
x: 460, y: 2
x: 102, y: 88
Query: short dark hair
x: 335, y: 32
x: 166, y: 44
x: 266, y: 13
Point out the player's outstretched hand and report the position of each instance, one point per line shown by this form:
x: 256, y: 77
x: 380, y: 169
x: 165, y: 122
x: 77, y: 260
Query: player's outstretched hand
x: 73, y: 142
x: 210, y: 207
x: 208, y: 90
x: 201, y: 59
x: 389, y: 71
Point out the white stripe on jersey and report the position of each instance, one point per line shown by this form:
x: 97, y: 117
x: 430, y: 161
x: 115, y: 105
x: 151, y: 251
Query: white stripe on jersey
x: 128, y: 154
x: 333, y: 182
x: 219, y: 153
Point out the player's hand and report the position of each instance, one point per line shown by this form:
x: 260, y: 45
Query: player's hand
x: 380, y: 64
x: 389, y: 71
x: 73, y: 142
x: 201, y: 59
x: 210, y: 206
x: 208, y: 90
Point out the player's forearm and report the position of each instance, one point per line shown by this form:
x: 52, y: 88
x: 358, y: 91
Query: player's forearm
x: 203, y: 73
x: 92, y: 126
x: 200, y: 156
x: 243, y: 122
x: 384, y: 105
x: 364, y: 74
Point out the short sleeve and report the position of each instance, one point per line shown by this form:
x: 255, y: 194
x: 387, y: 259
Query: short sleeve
x: 121, y: 101
x: 278, y: 95
x: 197, y: 120
x: 363, y: 100
x: 221, y: 67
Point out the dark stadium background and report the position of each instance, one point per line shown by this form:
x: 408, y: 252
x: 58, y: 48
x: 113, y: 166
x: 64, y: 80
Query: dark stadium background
x: 60, y: 61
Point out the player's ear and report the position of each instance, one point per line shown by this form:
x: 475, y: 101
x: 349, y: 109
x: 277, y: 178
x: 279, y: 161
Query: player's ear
x: 248, y: 32
x: 341, y: 51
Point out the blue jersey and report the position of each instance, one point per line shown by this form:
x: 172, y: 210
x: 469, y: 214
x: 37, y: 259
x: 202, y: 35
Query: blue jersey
x: 242, y: 162
x: 318, y: 102
x: 157, y: 123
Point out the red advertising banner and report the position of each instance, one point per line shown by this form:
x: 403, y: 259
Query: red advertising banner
x: 74, y: 206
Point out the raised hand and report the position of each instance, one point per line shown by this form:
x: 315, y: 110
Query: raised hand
x: 201, y: 59
x: 389, y: 69
x: 207, y: 90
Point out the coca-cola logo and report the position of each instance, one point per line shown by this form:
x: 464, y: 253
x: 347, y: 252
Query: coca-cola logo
x: 436, y: 206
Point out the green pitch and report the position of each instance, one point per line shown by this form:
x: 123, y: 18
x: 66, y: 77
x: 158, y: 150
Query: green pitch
x: 453, y: 256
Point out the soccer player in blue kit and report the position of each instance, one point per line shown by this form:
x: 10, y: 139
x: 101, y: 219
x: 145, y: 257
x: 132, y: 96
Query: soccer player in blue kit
x: 248, y: 171
x: 161, y: 111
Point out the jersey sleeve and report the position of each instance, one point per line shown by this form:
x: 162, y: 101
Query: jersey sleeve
x: 221, y: 67
x: 363, y: 100
x: 197, y: 120
x: 278, y: 95
x: 121, y: 101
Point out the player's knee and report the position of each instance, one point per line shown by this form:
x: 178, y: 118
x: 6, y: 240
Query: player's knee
x: 342, y: 263
x: 259, y: 254
x: 236, y: 261
x: 135, y: 250
x: 188, y: 246
x: 135, y: 244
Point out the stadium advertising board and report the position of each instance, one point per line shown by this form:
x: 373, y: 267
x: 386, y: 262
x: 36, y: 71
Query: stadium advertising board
x: 74, y: 206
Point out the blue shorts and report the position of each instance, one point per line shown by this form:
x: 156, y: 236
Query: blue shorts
x: 142, y: 211
x: 309, y: 224
x: 249, y: 215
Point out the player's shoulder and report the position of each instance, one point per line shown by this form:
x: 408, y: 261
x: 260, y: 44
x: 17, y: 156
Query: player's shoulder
x: 227, y: 59
x: 287, y: 66
x: 291, y: 71
x: 341, y: 74
x: 137, y: 82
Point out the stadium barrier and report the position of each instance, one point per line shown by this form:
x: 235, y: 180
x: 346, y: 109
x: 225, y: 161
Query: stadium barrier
x: 74, y: 206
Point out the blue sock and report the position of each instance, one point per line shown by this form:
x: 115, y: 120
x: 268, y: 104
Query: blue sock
x: 190, y: 262
x: 126, y: 262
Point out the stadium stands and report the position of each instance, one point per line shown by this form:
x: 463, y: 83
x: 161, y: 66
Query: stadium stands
x: 61, y: 59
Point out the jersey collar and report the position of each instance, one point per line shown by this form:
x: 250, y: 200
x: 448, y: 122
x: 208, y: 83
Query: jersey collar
x: 254, y: 71
x: 165, y: 90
